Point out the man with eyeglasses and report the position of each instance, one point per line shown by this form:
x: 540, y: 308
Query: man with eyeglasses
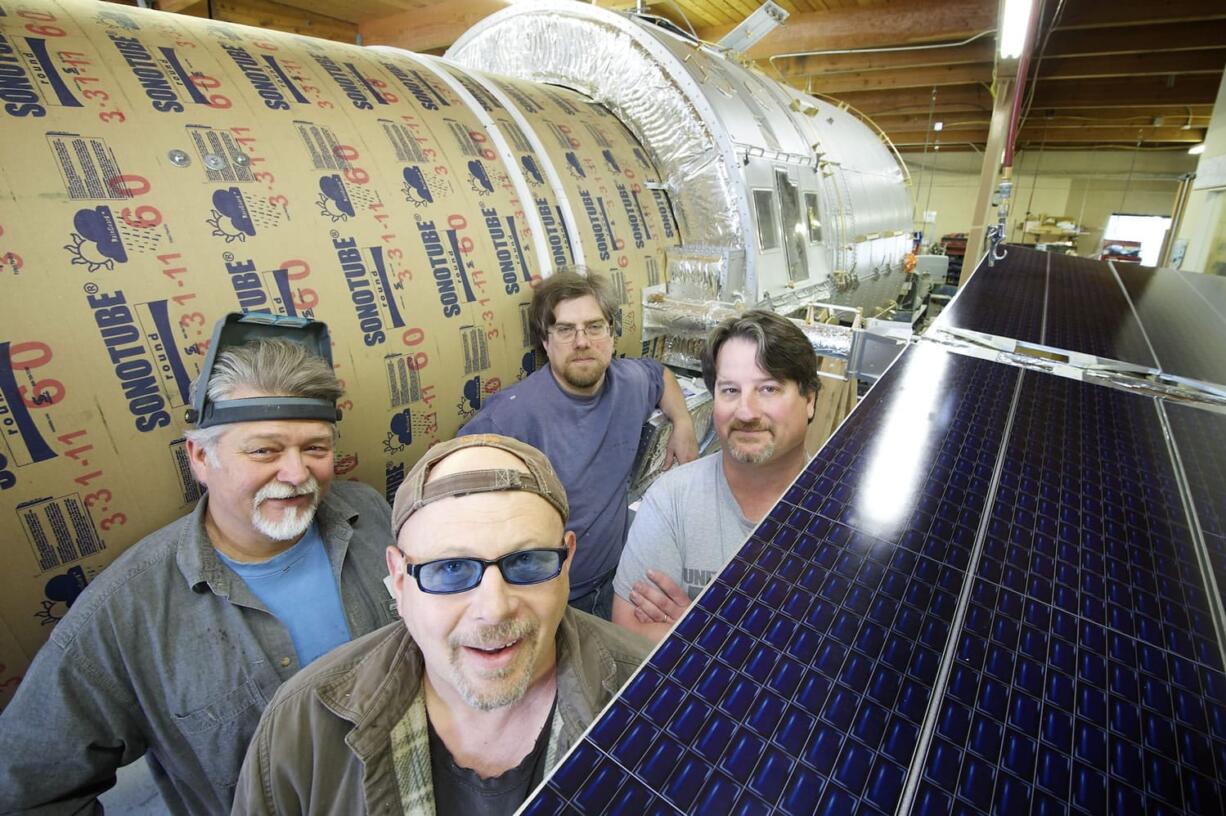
x: 489, y: 678
x: 585, y: 411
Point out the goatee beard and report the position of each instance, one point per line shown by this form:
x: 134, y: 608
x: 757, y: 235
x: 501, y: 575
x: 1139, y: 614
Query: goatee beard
x: 294, y: 521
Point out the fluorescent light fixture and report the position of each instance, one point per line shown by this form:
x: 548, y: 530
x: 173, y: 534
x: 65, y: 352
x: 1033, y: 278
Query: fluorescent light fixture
x: 765, y: 19
x: 1011, y: 37
x: 1197, y: 149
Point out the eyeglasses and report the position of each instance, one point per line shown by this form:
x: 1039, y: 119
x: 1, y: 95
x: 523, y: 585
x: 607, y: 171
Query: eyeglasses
x: 566, y: 333
x: 447, y: 576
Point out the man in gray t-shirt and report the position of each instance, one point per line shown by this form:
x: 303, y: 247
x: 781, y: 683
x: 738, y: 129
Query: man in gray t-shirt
x: 762, y: 372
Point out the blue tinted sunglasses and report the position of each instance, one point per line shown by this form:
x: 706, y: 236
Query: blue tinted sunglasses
x: 447, y: 576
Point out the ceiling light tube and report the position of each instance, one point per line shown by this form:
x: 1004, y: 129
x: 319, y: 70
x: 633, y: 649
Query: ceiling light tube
x: 1014, y: 21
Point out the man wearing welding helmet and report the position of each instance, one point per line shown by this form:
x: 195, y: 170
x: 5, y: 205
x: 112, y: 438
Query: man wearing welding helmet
x: 175, y: 648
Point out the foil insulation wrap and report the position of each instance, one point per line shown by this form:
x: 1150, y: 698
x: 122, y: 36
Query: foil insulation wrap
x: 158, y: 171
x: 611, y: 60
x: 683, y: 326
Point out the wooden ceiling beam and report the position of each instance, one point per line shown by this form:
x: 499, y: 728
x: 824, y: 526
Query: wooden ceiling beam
x: 906, y: 100
x: 907, y: 21
x: 280, y: 17
x: 176, y: 6
x: 980, y: 51
x: 1054, y: 94
x: 1163, y: 63
x: 910, y: 78
x: 1136, y: 39
x: 1112, y: 117
x: 1094, y: 14
x: 1061, y: 136
x: 427, y: 29
x: 1126, y: 93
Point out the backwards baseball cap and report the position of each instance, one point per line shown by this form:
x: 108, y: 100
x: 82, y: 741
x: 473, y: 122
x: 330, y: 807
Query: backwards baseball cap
x: 414, y: 492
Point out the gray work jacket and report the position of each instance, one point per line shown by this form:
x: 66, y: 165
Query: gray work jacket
x: 168, y: 653
x: 323, y: 747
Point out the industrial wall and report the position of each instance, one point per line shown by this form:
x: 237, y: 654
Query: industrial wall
x: 1087, y: 185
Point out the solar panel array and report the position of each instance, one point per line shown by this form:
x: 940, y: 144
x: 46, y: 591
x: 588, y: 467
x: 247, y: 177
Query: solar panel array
x: 992, y: 590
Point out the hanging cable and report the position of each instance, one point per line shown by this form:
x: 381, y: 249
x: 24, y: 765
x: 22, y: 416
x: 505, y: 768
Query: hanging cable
x: 932, y: 103
x: 1128, y: 180
x: 1034, y: 185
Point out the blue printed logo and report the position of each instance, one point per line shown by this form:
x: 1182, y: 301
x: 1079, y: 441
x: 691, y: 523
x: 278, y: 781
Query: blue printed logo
x: 530, y: 168
x: 609, y: 160
x: 527, y: 363
x: 416, y: 190
x: 470, y: 400
x: 96, y: 243
x: 479, y: 179
x: 61, y: 591
x: 114, y: 18
x: 334, y: 201
x: 420, y: 189
x: 401, y: 432
x: 572, y: 164
x: 231, y: 219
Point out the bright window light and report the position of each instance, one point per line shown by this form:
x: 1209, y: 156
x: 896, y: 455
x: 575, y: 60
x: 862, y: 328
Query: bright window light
x: 1014, y: 21
x: 1197, y: 149
x: 1124, y: 231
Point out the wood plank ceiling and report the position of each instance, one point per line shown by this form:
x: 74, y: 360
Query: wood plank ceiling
x: 1110, y: 75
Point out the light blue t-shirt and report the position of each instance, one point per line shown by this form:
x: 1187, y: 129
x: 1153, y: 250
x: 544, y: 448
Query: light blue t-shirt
x: 299, y: 588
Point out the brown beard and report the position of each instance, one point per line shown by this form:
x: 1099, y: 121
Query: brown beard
x: 583, y: 380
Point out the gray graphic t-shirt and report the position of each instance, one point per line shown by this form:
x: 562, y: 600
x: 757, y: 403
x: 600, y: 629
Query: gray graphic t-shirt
x: 688, y: 526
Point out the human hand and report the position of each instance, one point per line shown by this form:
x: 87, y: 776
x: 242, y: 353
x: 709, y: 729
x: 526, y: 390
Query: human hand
x: 658, y: 599
x: 682, y: 446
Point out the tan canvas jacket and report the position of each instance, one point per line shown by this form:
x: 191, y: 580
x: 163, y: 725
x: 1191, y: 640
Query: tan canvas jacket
x: 324, y: 744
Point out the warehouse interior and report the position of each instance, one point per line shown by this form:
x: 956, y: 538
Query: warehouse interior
x: 1117, y: 93
x: 1018, y: 305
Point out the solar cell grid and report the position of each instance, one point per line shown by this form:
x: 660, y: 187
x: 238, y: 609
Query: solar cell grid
x: 1087, y: 676
x: 1200, y: 436
x: 1187, y: 332
x: 1006, y: 300
x: 801, y: 678
x: 1088, y: 312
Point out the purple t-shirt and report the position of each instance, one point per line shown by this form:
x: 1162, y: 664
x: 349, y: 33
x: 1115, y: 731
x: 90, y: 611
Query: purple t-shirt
x: 591, y: 442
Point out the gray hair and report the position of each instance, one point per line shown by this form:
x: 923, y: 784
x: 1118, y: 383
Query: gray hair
x: 271, y: 366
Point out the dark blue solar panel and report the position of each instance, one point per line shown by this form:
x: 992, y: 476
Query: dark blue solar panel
x: 800, y: 680
x: 1059, y: 301
x: 1005, y: 300
x: 1200, y: 436
x: 1182, y: 314
x: 1087, y: 311
x: 1087, y: 675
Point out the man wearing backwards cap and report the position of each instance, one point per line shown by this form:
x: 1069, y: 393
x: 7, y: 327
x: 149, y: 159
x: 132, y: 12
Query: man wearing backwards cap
x: 173, y: 650
x: 465, y: 704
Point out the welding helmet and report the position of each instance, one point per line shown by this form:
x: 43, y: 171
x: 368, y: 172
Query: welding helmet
x: 237, y: 328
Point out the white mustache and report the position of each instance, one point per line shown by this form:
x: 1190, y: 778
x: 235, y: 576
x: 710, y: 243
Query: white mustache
x: 281, y: 490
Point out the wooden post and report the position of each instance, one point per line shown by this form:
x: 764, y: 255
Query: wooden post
x: 984, y: 213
